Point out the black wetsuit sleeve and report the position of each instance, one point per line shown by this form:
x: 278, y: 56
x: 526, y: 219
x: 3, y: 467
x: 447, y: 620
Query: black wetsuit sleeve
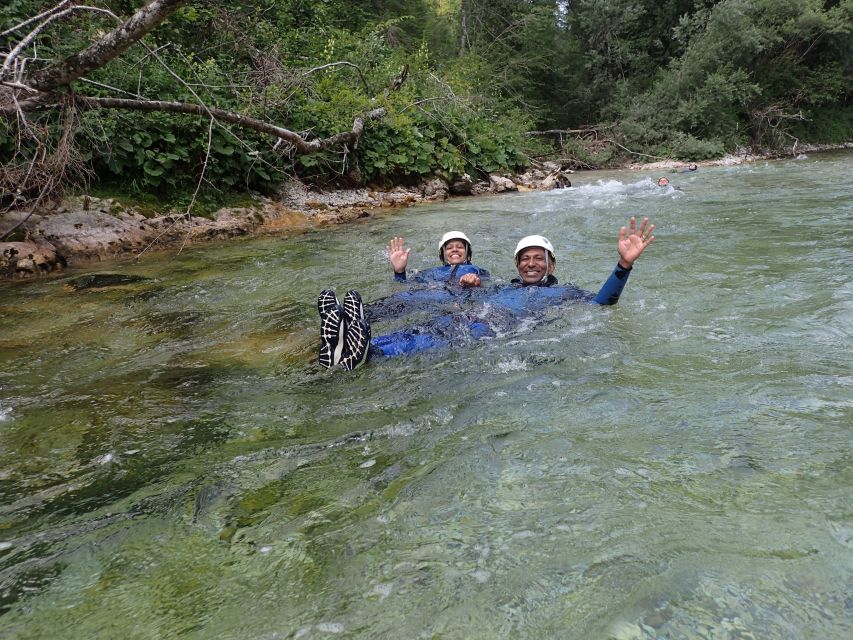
x: 400, y: 277
x: 612, y: 288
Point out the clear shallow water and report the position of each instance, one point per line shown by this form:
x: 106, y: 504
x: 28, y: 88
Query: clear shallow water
x: 172, y: 462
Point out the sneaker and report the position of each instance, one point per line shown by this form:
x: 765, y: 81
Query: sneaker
x: 332, y: 329
x: 357, y: 344
x: 353, y: 307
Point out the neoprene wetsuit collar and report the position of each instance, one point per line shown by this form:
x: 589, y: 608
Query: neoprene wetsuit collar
x: 548, y: 281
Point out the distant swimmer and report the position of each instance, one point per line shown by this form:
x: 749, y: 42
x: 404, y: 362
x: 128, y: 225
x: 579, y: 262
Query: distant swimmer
x: 345, y: 331
x: 663, y: 182
x: 690, y: 167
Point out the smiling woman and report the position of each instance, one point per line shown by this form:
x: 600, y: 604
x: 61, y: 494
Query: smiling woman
x: 455, y: 252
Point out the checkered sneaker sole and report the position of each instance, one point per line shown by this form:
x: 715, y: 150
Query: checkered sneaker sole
x: 357, y: 341
x: 332, y: 329
x: 353, y: 307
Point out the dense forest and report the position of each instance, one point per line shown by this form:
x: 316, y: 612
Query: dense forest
x: 411, y: 88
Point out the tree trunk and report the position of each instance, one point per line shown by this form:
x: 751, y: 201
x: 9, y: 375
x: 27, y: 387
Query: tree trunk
x: 463, y: 27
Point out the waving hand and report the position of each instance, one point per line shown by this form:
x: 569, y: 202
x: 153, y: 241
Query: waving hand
x: 633, y: 241
x: 398, y: 256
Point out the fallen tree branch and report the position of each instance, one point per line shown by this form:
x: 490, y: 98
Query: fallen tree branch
x: 636, y: 153
x: 301, y: 144
x: 104, y: 49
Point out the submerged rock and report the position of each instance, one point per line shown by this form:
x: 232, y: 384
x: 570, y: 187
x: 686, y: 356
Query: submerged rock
x: 98, y: 280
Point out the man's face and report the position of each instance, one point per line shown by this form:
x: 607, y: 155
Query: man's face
x: 533, y: 265
x: 455, y: 252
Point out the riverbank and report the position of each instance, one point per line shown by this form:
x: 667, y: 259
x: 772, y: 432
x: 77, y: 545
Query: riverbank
x: 83, y: 230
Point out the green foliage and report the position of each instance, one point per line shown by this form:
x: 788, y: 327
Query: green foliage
x: 826, y: 126
x: 680, y: 78
x: 402, y: 147
x: 749, y: 70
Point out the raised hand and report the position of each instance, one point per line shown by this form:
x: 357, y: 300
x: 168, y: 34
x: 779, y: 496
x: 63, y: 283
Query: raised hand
x: 398, y: 256
x: 633, y: 241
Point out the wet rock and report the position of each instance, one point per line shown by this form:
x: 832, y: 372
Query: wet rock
x: 82, y: 230
x: 500, y: 184
x: 480, y: 188
x: 462, y: 185
x: 435, y: 189
x: 29, y: 259
x: 557, y: 180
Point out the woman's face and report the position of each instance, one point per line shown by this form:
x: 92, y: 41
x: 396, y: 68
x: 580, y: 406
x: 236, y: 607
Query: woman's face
x: 455, y: 252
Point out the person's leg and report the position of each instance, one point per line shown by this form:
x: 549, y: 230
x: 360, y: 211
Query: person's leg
x: 403, y: 342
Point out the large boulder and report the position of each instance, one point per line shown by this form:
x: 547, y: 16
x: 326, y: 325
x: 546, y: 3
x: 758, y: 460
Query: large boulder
x: 435, y: 189
x: 461, y: 185
x: 556, y: 180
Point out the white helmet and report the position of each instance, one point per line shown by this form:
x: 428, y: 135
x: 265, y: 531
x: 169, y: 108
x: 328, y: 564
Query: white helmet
x: 535, y: 241
x: 454, y: 235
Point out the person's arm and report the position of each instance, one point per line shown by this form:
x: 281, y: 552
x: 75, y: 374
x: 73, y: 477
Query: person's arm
x: 612, y: 288
x: 399, y: 258
x: 632, y: 242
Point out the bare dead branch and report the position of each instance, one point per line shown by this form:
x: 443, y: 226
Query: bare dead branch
x: 35, y: 18
x: 339, y: 64
x: 635, y: 153
x: 189, y: 213
x: 558, y: 132
x: 111, y: 88
x: 106, y: 48
x: 25, y: 42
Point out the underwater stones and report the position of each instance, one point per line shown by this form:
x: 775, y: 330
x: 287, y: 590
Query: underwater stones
x: 100, y: 280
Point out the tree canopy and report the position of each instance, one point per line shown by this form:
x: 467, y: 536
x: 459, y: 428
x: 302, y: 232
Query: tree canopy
x: 389, y: 91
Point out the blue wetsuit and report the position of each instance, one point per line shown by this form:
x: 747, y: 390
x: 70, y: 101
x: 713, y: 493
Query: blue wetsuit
x: 442, y: 289
x: 507, y: 304
x: 443, y: 273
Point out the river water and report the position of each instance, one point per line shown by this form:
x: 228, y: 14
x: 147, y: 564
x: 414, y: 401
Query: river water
x: 174, y: 464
